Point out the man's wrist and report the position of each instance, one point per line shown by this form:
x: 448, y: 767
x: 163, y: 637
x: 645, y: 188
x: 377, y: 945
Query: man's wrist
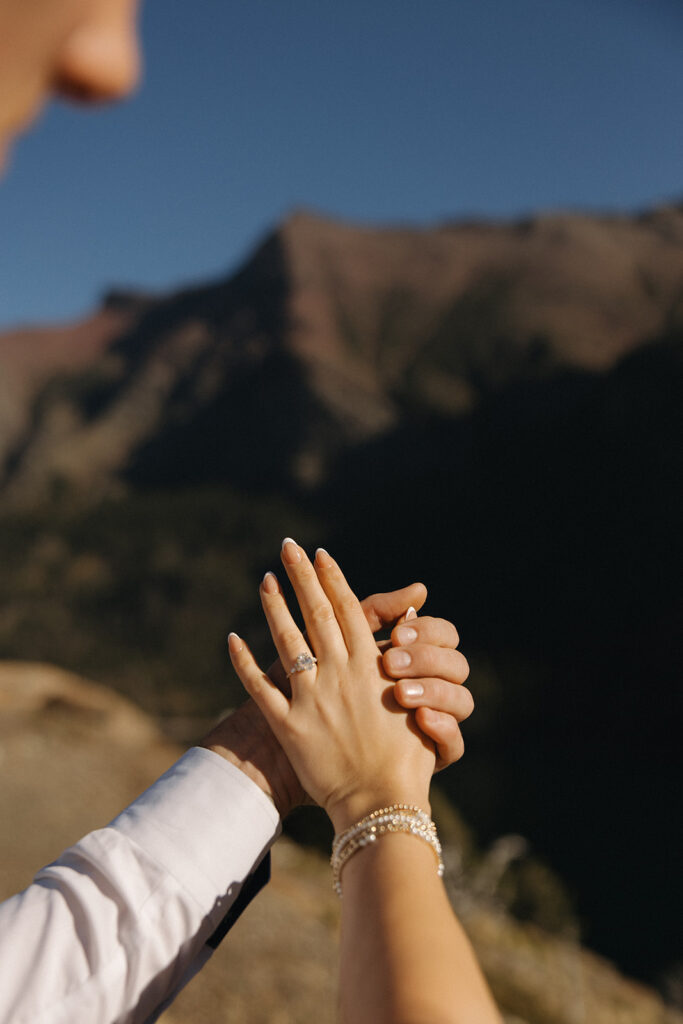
x: 245, y: 740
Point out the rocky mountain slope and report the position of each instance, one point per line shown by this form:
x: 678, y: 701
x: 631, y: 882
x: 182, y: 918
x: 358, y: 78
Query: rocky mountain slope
x: 334, y: 332
x: 494, y: 408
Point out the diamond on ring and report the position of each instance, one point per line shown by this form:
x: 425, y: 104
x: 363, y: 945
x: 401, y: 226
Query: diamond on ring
x: 302, y: 664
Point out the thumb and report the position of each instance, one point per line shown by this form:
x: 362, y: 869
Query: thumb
x: 385, y: 609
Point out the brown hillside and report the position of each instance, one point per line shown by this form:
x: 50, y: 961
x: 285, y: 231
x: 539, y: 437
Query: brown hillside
x: 336, y: 331
x: 74, y: 754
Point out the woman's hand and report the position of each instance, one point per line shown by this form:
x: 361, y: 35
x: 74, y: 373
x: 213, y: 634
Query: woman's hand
x: 432, y: 683
x: 351, y: 745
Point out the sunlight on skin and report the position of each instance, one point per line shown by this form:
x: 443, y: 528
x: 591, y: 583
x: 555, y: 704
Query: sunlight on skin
x: 81, y: 50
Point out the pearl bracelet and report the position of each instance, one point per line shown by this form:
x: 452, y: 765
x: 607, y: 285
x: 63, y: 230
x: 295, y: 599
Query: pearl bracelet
x: 396, y: 818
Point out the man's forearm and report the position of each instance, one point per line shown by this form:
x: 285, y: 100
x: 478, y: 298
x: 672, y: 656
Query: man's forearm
x: 111, y: 930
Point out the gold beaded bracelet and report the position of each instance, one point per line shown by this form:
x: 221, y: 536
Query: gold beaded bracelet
x: 396, y: 818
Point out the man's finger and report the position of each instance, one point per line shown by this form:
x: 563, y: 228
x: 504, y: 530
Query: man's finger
x: 383, y: 610
x: 436, y: 694
x: 425, y: 630
x: 426, y: 660
x: 280, y: 678
x: 445, y: 732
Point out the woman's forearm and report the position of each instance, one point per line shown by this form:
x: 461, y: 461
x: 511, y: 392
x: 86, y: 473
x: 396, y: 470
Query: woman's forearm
x: 404, y: 957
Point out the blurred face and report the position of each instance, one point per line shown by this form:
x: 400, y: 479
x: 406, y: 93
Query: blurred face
x: 84, y: 50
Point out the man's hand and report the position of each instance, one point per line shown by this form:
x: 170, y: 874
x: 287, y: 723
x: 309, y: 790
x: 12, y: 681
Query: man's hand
x: 245, y: 739
x: 429, y: 670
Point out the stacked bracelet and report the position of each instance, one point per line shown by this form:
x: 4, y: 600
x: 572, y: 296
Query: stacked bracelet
x: 397, y: 818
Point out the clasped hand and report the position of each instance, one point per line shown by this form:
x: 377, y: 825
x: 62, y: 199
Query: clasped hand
x: 347, y: 737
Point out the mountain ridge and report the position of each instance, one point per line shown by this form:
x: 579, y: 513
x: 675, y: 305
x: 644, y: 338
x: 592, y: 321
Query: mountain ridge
x: 362, y: 326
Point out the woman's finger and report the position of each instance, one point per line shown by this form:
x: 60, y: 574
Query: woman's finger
x: 426, y: 630
x: 347, y: 607
x: 319, y: 615
x: 445, y: 732
x: 426, y: 660
x: 437, y: 694
x: 295, y: 654
x: 265, y: 693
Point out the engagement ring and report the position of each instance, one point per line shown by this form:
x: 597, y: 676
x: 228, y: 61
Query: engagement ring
x: 302, y: 664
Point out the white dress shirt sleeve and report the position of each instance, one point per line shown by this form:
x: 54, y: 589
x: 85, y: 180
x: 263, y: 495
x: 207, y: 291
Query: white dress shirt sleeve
x: 112, y: 929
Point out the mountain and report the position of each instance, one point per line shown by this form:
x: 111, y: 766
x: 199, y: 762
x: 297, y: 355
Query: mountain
x: 336, y: 333
x: 496, y: 408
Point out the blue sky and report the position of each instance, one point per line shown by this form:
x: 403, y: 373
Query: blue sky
x: 373, y: 110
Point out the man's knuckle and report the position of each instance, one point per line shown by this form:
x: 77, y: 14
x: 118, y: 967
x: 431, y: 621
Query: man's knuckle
x: 439, y: 693
x: 468, y: 700
x: 426, y: 658
x: 456, y: 747
x: 442, y: 631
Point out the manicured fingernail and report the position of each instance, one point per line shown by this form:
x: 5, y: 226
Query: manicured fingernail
x: 412, y: 690
x: 411, y: 613
x: 290, y: 551
x: 270, y: 583
x: 406, y: 635
x: 234, y: 643
x: 398, y: 659
x: 323, y: 559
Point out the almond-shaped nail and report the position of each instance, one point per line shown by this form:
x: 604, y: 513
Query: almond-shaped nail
x: 234, y: 643
x: 322, y: 558
x: 270, y: 584
x: 411, y: 613
x: 290, y: 551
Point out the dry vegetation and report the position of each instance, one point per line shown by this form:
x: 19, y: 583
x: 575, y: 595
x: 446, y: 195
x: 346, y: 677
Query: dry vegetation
x: 73, y: 754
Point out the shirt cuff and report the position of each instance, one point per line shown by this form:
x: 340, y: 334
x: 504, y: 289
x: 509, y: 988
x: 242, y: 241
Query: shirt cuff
x: 206, y: 823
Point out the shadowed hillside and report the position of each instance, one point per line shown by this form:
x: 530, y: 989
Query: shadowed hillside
x: 558, y: 511
x: 335, y: 334
x: 492, y: 408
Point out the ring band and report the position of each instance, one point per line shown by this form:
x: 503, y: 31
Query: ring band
x: 302, y: 664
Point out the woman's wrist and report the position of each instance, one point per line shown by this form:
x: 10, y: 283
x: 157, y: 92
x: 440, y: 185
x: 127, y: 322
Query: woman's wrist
x: 397, y: 817
x: 347, y: 812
